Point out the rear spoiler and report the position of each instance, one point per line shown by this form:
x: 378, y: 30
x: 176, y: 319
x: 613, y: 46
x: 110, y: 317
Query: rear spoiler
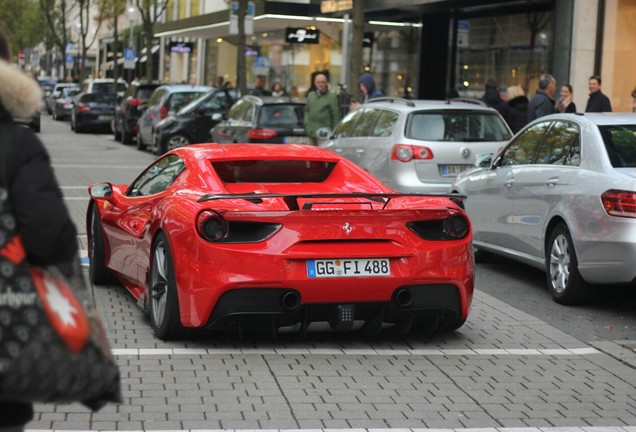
x: 292, y: 199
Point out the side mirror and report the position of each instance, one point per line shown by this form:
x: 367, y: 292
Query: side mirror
x: 483, y: 160
x: 103, y: 191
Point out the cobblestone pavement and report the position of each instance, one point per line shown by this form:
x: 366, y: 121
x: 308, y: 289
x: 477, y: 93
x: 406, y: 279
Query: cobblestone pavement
x: 503, y: 369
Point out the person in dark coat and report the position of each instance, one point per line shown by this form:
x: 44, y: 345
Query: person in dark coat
x: 565, y: 103
x: 597, y: 102
x: 492, y: 98
x: 517, y: 108
x: 542, y: 103
x: 43, y: 221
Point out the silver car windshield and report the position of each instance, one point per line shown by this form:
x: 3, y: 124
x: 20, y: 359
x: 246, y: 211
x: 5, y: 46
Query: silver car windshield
x: 456, y: 126
x: 620, y: 144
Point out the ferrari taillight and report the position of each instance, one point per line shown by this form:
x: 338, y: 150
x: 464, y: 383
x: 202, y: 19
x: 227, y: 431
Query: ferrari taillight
x: 454, y: 227
x: 261, y: 134
x: 211, y: 226
x: 619, y: 203
x: 408, y: 152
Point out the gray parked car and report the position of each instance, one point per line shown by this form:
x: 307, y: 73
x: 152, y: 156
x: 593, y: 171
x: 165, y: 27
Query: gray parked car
x: 418, y: 145
x: 561, y: 197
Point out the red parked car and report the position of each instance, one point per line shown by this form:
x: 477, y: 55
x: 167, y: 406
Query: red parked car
x: 248, y: 237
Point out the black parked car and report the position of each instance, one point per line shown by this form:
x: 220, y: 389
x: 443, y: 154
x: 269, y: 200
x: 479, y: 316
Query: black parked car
x: 166, y: 100
x: 254, y: 119
x: 127, y: 112
x: 192, y: 123
x: 93, y: 110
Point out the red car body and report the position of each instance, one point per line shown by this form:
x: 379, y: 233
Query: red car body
x: 252, y: 237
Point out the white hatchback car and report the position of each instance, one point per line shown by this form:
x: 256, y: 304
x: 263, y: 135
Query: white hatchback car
x: 418, y: 145
x: 561, y: 197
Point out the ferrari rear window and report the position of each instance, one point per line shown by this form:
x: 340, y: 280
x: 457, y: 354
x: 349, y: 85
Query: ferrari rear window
x: 273, y: 171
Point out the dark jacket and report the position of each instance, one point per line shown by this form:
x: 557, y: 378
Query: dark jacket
x: 540, y: 105
x: 598, y: 102
x: 493, y: 100
x: 48, y: 233
x: 517, y: 113
x: 369, y: 82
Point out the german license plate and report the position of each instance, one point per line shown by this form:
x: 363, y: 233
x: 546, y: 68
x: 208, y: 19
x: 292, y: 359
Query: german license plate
x: 104, y: 117
x: 296, y: 140
x: 453, y: 170
x: 348, y: 268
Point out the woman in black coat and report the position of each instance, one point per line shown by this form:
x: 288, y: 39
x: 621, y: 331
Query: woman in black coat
x: 517, y: 108
x: 43, y: 221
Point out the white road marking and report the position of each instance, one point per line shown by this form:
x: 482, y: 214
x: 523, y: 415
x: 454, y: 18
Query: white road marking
x: 336, y: 351
x: 506, y: 429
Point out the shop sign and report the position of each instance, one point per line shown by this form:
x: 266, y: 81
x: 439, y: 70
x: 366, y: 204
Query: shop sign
x: 330, y: 6
x: 181, y: 47
x: 302, y: 35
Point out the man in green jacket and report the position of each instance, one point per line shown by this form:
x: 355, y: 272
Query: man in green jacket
x: 322, y: 111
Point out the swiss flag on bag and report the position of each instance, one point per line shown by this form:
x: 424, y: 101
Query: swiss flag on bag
x: 64, y: 311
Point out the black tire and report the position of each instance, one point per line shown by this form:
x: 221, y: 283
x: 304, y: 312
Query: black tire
x: 140, y: 142
x: 565, y: 283
x: 126, y: 137
x: 175, y: 141
x: 163, y: 299
x: 78, y: 128
x: 116, y: 132
x: 98, y: 272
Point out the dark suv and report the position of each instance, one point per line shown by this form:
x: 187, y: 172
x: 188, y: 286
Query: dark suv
x: 266, y: 119
x: 128, y: 112
x: 191, y: 125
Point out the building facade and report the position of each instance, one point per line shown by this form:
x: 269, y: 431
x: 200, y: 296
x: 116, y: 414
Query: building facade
x: 416, y: 48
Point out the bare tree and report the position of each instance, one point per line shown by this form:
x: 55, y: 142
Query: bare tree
x: 56, y: 15
x: 112, y: 10
x: 241, y: 70
x: 356, y: 48
x: 84, y: 24
x: 150, y: 11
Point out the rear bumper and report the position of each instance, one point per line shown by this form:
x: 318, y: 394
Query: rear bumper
x: 268, y: 309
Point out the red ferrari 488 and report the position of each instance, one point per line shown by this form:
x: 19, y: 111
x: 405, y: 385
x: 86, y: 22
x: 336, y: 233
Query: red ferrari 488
x: 246, y: 237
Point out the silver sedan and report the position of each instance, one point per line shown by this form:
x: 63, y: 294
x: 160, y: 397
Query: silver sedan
x: 561, y: 196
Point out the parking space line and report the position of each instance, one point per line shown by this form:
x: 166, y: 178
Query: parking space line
x: 365, y: 352
x: 503, y: 429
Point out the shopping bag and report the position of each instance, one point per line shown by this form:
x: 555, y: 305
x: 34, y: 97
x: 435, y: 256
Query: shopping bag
x: 53, y: 347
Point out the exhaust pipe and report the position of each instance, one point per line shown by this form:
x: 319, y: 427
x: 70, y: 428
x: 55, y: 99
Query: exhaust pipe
x: 290, y: 300
x: 403, y: 297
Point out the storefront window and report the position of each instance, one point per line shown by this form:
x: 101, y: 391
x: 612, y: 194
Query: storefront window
x: 391, y: 61
x: 512, y: 49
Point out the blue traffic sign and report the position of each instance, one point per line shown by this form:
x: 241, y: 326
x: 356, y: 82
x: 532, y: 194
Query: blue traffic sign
x: 130, y: 54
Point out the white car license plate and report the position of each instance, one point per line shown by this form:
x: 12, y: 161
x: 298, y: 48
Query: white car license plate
x: 453, y: 170
x: 296, y: 140
x: 348, y: 268
x: 104, y: 117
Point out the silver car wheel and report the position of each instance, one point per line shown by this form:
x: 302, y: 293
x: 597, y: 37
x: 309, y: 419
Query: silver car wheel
x: 159, y: 285
x: 176, y: 141
x: 560, y: 263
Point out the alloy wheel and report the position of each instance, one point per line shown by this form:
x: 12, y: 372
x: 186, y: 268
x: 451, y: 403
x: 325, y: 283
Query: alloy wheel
x: 560, y: 263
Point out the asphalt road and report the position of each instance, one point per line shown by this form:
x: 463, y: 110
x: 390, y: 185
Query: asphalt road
x: 520, y: 361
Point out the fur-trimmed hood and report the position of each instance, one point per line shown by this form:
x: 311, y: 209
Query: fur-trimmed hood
x: 20, y: 95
